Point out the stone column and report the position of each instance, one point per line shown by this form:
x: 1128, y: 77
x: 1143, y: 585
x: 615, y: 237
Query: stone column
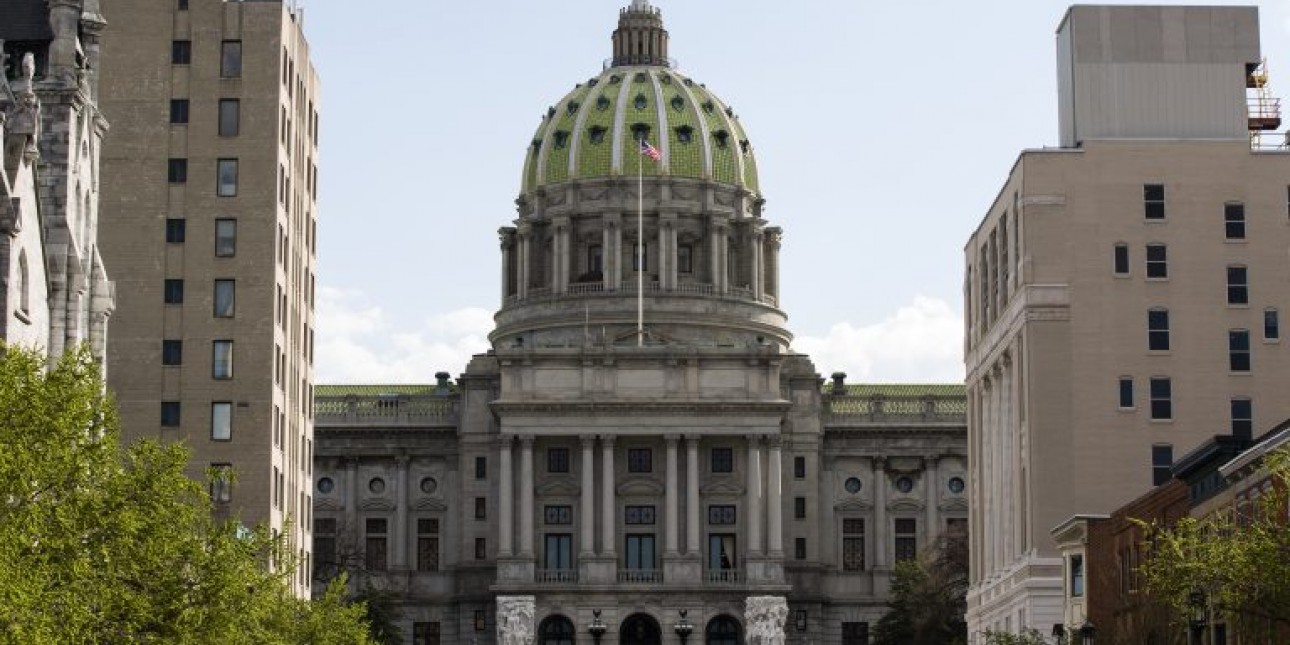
x: 506, y: 240
x: 692, y: 511
x: 351, y: 495
x: 666, y: 259
x: 401, y: 513
x: 559, y: 254
x: 587, y: 521
x: 505, y: 509
x: 670, y: 503
x: 879, y: 512
x: 614, y: 254
x: 933, y: 491
x: 774, y: 501
x: 526, y: 496
x: 522, y: 262
x: 773, y: 237
x: 606, y: 249
x: 754, y: 496
x: 607, y: 503
x: 758, y: 264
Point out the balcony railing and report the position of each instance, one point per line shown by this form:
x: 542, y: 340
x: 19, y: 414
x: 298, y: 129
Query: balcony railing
x: 640, y: 576
x: 556, y: 576
x: 722, y: 576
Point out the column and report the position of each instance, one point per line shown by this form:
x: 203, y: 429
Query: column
x: 588, y: 512
x: 666, y: 258
x: 774, y: 501
x: 522, y: 263
x: 526, y: 496
x: 692, y: 495
x: 607, y: 514
x: 717, y: 256
x: 758, y: 264
x: 505, y: 509
x: 933, y: 492
x: 670, y: 537
x: 754, y: 495
x: 351, y: 495
x: 507, y: 267
x: 401, y: 513
x: 879, y: 512
x: 606, y: 253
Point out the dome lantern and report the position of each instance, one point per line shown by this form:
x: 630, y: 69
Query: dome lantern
x: 640, y: 38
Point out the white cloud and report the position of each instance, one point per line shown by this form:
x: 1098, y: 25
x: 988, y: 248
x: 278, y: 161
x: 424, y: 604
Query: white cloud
x: 357, y: 344
x: 921, y: 342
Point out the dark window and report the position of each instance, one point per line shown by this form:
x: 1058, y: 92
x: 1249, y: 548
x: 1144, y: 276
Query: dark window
x: 1126, y: 391
x: 639, y: 515
x: 426, y: 633
x: 324, y: 548
x: 230, y: 117
x: 182, y: 5
x: 799, y: 548
x: 1162, y: 459
x: 799, y: 508
x: 375, y: 544
x: 481, y: 467
x: 557, y: 630
x: 1238, y: 286
x: 723, y: 460
x: 1157, y: 261
x: 177, y: 171
x: 685, y: 258
x: 172, y: 352
x: 639, y: 256
x: 170, y: 414
x: 1162, y: 407
x: 1077, y: 575
x: 557, y: 515
x: 1271, y: 324
x: 222, y: 359
x: 855, y: 633
x: 428, y: 544
x: 1158, y: 330
x: 640, y: 552
x: 853, y: 544
x: 226, y: 178
x: 221, y: 483
x: 1242, y: 418
x: 1234, y: 221
x: 721, y: 552
x: 799, y: 467
x: 640, y: 460
x: 558, y: 552
x: 225, y: 298
x: 595, y: 259
x: 557, y: 460
x: 179, y: 111
x: 174, y: 292
x: 721, y: 515
x: 181, y: 52
x: 175, y: 229
x: 1153, y: 201
x: 1122, y: 259
x: 230, y: 59
x: 481, y: 553
x: 1238, y: 350
x: 481, y: 508
x: 225, y: 238
x: 906, y: 538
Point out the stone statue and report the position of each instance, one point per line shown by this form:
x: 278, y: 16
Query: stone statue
x: 28, y: 67
x: 515, y: 620
x: 765, y: 617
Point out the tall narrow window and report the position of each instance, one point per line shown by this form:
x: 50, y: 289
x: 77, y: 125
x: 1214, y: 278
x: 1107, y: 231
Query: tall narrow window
x: 799, y: 548
x: 595, y: 260
x: 1077, y: 575
x: 230, y: 59
x: 175, y: 230
x: 177, y: 171
x: 225, y: 238
x: 428, y: 544
x: 481, y: 467
x: 230, y: 117
x: 222, y: 359
x: 639, y: 256
x: 324, y: 548
x: 558, y: 552
x: 640, y: 552
x: 721, y: 553
x: 1121, y: 259
x: 178, y: 111
x: 1162, y: 460
x: 557, y: 460
x: 799, y: 508
x: 481, y: 553
x: 799, y: 467
x: 181, y: 52
x: 1234, y: 220
x: 225, y: 298
x: 853, y: 544
x: 226, y: 183
x: 1271, y: 324
x: 1162, y: 407
x: 1238, y: 350
x: 1157, y: 261
x: 685, y: 258
x: 221, y: 421
x: 481, y: 508
x: 1238, y: 285
x: 1242, y: 418
x: 375, y: 543
x: 906, y: 538
x: 1126, y: 392
x: 172, y: 352
x: 1153, y: 201
x: 170, y: 414
x: 221, y: 486
x: 1158, y: 330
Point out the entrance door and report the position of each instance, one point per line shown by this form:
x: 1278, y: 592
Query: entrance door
x: 639, y: 629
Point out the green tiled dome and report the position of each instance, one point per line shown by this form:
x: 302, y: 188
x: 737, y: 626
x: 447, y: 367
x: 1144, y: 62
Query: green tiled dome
x: 593, y: 131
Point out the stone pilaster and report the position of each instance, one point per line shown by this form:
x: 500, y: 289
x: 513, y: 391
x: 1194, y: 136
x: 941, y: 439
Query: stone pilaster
x: 527, y: 484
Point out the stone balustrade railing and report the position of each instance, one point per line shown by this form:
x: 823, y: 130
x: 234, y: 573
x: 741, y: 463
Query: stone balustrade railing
x: 386, y: 410
x: 880, y: 407
x: 539, y: 295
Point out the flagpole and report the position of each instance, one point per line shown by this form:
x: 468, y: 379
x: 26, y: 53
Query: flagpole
x: 640, y: 247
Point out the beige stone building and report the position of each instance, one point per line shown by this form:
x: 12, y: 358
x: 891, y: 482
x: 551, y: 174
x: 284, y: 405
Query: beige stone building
x: 209, y: 183
x: 1124, y: 292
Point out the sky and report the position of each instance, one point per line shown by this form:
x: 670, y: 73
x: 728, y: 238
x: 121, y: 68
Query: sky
x: 882, y: 129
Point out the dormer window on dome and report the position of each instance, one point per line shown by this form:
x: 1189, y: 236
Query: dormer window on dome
x: 640, y: 131
x: 722, y: 138
x: 685, y: 134
x: 641, y: 102
x: 597, y: 134
x: 709, y: 107
x: 639, y: 78
x: 678, y: 103
x: 602, y: 103
x: 561, y: 139
x: 572, y: 107
x: 745, y: 146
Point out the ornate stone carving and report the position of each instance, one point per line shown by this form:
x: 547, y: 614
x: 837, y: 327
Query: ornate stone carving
x: 765, y: 616
x: 515, y: 620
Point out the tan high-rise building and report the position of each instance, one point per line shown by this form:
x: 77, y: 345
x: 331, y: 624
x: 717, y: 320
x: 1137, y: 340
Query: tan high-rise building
x: 209, y: 188
x: 1124, y: 292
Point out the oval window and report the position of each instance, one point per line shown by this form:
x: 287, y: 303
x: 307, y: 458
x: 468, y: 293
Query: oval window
x: 956, y: 485
x: 326, y: 485
x: 904, y: 484
x: 429, y: 485
x: 853, y: 485
x: 376, y: 485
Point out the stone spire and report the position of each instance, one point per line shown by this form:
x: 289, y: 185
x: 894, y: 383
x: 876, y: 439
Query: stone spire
x: 640, y: 38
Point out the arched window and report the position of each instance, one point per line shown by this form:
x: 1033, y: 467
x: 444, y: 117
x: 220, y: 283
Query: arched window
x: 722, y: 630
x: 556, y: 630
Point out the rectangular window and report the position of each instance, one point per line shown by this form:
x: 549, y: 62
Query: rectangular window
x: 906, y: 538
x: 425, y: 634
x: 1121, y: 259
x: 721, y: 515
x: 721, y: 552
x: 639, y: 256
x: 1234, y: 220
x: 428, y: 544
x: 170, y: 414
x: 640, y: 460
x: 221, y: 421
x: 1162, y: 460
x: 175, y: 230
x: 561, y: 515
x: 230, y: 59
x: 226, y: 178
x: 1238, y: 350
x: 324, y: 548
x: 595, y: 261
x: 481, y: 467
x: 1077, y: 575
x: 225, y: 298
x: 225, y: 238
x: 853, y: 544
x: 1157, y: 261
x: 799, y: 467
x: 174, y: 291
x: 172, y: 352
x: 799, y: 548
x: 1238, y: 285
x: 558, y: 552
x: 1242, y: 418
x: 230, y: 117
x: 375, y: 543
x: 179, y: 111
x: 1271, y: 324
x: 1162, y: 407
x: 723, y: 460
x: 1153, y: 201
x: 1126, y: 392
x: 182, y: 5
x: 481, y: 508
x: 221, y: 485
x: 799, y: 508
x: 557, y: 460
x: 481, y: 550
x: 1158, y: 330
x: 639, y: 515
x: 177, y: 171
x: 222, y: 359
x: 181, y: 52
x: 640, y: 552
x: 685, y: 259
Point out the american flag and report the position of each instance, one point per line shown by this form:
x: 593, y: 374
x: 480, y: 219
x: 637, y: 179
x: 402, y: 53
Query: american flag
x: 650, y: 151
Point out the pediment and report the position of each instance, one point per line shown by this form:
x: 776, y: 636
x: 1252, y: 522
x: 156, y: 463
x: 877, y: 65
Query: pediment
x: 558, y: 488
x: 430, y: 504
x: 906, y: 505
x: 640, y: 488
x: 722, y: 487
x: 854, y: 504
x: 376, y: 505
x: 327, y: 504
x: 957, y: 504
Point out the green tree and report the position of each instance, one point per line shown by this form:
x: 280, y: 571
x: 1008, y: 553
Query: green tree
x: 104, y: 544
x: 1235, y: 563
x: 1027, y: 637
x: 928, y: 597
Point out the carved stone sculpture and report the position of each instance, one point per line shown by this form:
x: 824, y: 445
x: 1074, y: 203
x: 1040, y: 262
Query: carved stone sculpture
x: 764, y: 617
x: 515, y: 620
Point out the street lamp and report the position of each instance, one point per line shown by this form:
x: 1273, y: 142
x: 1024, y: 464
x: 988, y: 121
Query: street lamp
x: 1087, y: 632
x: 597, y: 627
x: 1059, y: 634
x: 683, y: 628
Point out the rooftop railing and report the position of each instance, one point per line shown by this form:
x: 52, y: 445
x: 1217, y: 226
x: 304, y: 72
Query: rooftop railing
x: 879, y: 407
x: 400, y: 409
x: 540, y: 295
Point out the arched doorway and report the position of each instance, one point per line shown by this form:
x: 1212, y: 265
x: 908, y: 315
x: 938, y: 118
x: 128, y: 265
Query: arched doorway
x: 556, y: 630
x: 722, y: 630
x: 639, y: 629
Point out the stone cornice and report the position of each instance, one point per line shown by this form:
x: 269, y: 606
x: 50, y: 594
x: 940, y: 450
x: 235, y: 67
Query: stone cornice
x: 638, y: 408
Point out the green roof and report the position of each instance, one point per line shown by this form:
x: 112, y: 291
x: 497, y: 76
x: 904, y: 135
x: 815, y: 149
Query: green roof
x: 902, y: 389
x: 373, y: 390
